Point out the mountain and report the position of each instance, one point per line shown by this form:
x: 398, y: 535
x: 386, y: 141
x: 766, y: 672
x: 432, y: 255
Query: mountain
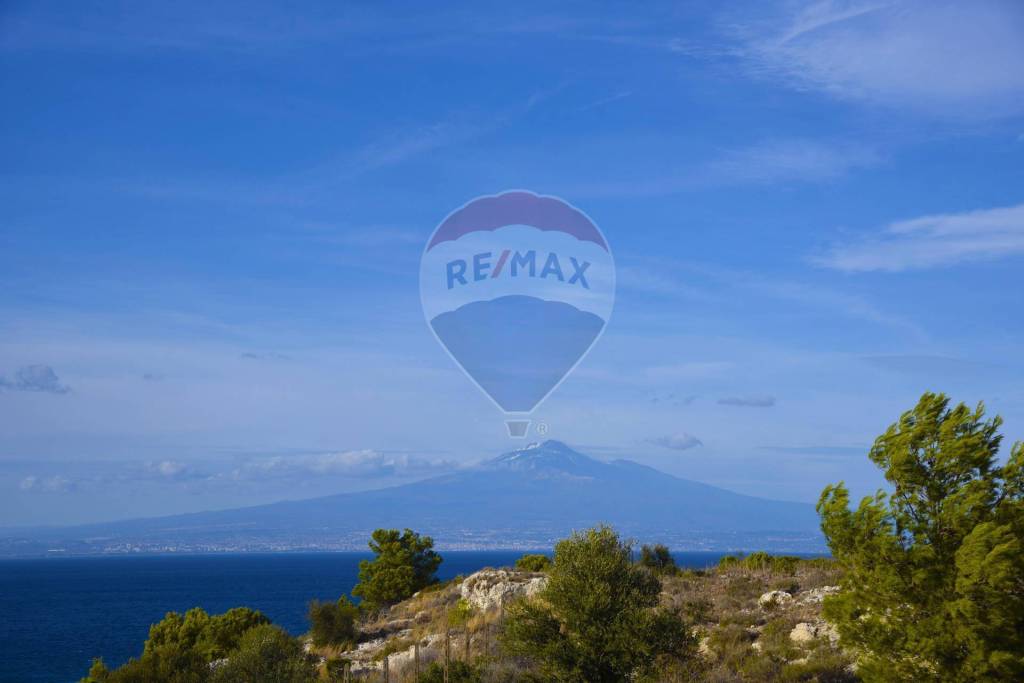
x: 528, y: 497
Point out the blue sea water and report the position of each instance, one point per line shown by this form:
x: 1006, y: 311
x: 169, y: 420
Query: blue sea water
x: 56, y: 614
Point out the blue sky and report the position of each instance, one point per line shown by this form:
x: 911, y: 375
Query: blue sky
x: 213, y: 216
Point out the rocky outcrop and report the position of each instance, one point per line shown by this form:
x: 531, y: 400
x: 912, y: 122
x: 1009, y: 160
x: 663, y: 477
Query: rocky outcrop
x: 493, y: 588
x: 806, y: 631
x: 773, y: 599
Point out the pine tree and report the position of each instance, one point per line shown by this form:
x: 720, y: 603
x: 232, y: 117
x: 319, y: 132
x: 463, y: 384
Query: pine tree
x: 934, y: 571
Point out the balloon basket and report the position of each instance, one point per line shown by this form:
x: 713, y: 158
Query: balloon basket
x: 517, y: 429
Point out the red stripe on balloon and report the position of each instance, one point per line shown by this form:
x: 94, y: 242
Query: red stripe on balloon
x: 501, y: 264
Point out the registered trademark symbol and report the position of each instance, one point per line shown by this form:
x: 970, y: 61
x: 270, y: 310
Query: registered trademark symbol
x: 542, y: 428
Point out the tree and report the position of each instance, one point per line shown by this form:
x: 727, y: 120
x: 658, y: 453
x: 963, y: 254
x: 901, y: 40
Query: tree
x: 597, y: 620
x: 405, y: 563
x: 658, y: 559
x: 333, y: 623
x: 534, y: 563
x: 265, y: 653
x: 934, y: 571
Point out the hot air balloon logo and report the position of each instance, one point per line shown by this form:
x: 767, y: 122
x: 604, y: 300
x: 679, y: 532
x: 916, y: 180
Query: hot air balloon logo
x: 517, y: 287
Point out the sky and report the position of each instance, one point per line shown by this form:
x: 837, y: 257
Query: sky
x: 213, y: 214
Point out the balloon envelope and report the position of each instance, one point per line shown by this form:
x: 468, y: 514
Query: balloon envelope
x: 517, y: 288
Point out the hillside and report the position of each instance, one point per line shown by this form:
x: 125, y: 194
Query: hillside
x: 762, y: 622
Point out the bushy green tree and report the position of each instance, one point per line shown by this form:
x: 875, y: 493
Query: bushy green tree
x: 534, y: 563
x: 265, y: 653
x: 598, y: 619
x: 333, y: 623
x: 658, y: 559
x: 405, y: 563
x: 934, y: 571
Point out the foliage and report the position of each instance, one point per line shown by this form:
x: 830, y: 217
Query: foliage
x: 459, y: 615
x: 209, y: 637
x: 170, y: 664
x: 265, y: 653
x: 97, y: 672
x: 458, y: 672
x: 333, y: 623
x: 597, y: 620
x: 405, y: 563
x: 934, y: 582
x: 181, y: 647
x: 761, y: 561
x: 335, y: 667
x: 534, y: 563
x: 658, y: 559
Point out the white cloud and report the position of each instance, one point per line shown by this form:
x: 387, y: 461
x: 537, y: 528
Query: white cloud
x: 55, y: 484
x: 946, y: 57
x: 365, y: 463
x: 677, y: 442
x: 169, y: 469
x: 932, y: 241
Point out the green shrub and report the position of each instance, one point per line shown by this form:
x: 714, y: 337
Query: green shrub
x: 333, y: 623
x: 458, y: 672
x: 761, y: 561
x: 181, y: 647
x: 825, y: 665
x: 598, y: 618
x: 265, y: 653
x: 459, y: 615
x: 534, y: 563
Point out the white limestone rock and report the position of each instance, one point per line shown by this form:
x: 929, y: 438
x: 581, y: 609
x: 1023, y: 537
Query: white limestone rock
x: 773, y: 599
x: 493, y: 588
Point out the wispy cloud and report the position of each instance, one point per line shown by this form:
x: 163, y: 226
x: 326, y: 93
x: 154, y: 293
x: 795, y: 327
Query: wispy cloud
x: 791, y: 160
x: 933, y: 241
x: 930, y: 365
x: 757, y: 401
x: 946, y: 57
x: 783, y: 161
x: 722, y: 286
x: 677, y: 442
x: 40, y: 378
x: 829, y: 451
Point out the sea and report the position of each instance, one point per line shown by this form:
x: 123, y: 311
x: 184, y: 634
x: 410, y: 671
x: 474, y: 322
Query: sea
x: 58, y: 613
